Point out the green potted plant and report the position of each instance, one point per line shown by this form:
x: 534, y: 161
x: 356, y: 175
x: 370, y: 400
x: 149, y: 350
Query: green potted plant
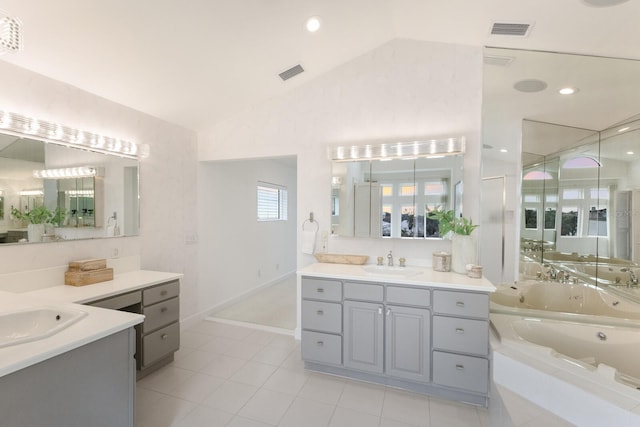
x: 463, y: 245
x: 37, y: 218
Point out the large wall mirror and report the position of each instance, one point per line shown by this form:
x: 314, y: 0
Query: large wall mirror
x: 47, y: 195
x: 390, y: 198
x: 576, y: 158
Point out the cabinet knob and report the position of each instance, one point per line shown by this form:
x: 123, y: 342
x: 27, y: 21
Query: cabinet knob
x: 319, y: 312
x: 460, y: 367
x: 460, y: 330
x: 388, y: 311
x: 379, y: 310
x: 164, y: 336
x: 320, y: 290
x: 459, y: 304
x: 163, y: 310
x: 163, y: 292
x: 319, y: 343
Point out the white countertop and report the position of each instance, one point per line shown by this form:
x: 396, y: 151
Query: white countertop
x: 426, y: 277
x: 98, y: 323
x: 121, y: 283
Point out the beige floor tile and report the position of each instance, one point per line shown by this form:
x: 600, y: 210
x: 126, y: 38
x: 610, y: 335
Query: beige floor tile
x: 273, y: 355
x: 223, y: 366
x: 409, y: 408
x: 345, y: 417
x: 194, y: 361
x: 307, y: 413
x: 362, y: 397
x: 254, y: 373
x: 203, y: 416
x: 444, y: 413
x: 196, y: 388
x: 294, y: 361
x: 324, y: 388
x: 167, y: 411
x: 165, y: 379
x: 267, y: 406
x: 385, y: 422
x: 230, y: 396
x: 239, y: 421
x: 260, y: 337
x: 190, y: 339
x: 286, y: 381
x: 218, y: 345
x: 244, y: 349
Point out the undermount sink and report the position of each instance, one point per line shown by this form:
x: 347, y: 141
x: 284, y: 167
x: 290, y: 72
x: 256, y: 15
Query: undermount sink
x: 32, y: 324
x: 386, y: 270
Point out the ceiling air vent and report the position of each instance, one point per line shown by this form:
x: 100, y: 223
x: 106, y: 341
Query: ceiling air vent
x: 500, y: 61
x: 291, y: 72
x: 517, y: 29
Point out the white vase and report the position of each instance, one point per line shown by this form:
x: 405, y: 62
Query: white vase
x: 464, y: 251
x: 35, y: 232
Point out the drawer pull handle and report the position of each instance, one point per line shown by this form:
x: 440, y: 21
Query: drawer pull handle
x: 164, y: 336
x: 319, y: 312
x: 459, y: 304
x: 163, y: 310
x: 460, y: 330
x: 388, y: 311
x: 163, y: 292
x: 319, y: 343
x: 460, y: 367
x: 379, y: 310
x: 320, y: 290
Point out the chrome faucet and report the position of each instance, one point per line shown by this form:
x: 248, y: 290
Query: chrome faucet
x: 633, y: 278
x: 390, y: 258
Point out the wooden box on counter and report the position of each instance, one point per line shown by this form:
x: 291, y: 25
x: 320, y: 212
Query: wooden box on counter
x: 87, y: 271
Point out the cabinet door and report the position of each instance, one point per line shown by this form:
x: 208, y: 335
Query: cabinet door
x: 363, y: 336
x: 407, y: 343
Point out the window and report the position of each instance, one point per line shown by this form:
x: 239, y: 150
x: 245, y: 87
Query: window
x: 272, y: 202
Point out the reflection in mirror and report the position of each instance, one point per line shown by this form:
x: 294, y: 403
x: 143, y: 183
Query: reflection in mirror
x: 73, y: 207
x: 390, y: 198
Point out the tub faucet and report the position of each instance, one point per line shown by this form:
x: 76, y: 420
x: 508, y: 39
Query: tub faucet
x: 390, y: 258
x: 633, y: 278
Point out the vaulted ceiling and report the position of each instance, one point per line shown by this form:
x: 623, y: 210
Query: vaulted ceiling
x: 196, y: 62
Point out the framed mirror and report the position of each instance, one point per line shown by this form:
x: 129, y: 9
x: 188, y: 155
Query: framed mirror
x: 42, y: 183
x: 390, y: 198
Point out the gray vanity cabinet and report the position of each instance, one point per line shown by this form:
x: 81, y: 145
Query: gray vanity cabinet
x: 364, y: 336
x: 322, y: 320
x: 407, y: 346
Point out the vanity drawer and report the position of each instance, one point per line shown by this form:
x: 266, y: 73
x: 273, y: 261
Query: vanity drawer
x: 461, y: 303
x: 408, y: 296
x: 160, y: 343
x: 463, y: 372
x: 322, y: 316
x: 463, y: 335
x: 118, y: 302
x: 323, y: 348
x: 363, y: 291
x: 322, y: 289
x: 161, y: 292
x: 160, y: 314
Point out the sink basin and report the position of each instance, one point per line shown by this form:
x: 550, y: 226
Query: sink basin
x: 384, y: 270
x: 32, y: 324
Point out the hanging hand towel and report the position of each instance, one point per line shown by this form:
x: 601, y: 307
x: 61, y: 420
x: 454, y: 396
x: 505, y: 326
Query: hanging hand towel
x: 308, y: 242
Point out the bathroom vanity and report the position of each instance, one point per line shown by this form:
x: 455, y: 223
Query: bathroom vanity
x: 424, y: 331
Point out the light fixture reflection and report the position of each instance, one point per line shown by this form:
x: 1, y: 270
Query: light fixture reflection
x: 400, y: 150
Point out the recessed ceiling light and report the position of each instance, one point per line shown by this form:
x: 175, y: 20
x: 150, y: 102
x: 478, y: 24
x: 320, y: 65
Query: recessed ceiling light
x: 624, y: 129
x: 503, y: 150
x: 567, y: 90
x: 313, y: 24
x: 603, y: 3
x: 630, y: 153
x: 530, y: 85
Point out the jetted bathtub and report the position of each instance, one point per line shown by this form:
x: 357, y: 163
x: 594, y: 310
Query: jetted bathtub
x: 575, y: 302
x: 586, y: 373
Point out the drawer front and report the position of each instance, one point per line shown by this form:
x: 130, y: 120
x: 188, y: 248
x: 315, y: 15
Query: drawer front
x: 363, y: 291
x: 160, y: 314
x: 463, y: 335
x: 461, y: 304
x: 323, y: 348
x: 463, y: 372
x: 322, y: 289
x: 161, y: 292
x: 161, y: 343
x: 322, y: 316
x: 408, y: 296
x: 119, y: 301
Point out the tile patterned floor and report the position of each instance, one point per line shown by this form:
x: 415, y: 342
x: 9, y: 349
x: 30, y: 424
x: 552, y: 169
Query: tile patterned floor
x: 233, y: 376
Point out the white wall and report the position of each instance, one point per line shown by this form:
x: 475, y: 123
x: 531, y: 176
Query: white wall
x: 236, y: 252
x: 167, y: 180
x: 403, y: 89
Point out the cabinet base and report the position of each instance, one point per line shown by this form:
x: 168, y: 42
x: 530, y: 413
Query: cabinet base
x: 422, y: 388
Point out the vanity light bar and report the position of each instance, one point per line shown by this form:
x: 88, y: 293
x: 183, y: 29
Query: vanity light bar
x: 32, y: 193
x: 77, y: 172
x: 64, y: 135
x: 399, y: 150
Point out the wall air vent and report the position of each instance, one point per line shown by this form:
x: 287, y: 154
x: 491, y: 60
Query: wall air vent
x: 291, y: 72
x: 499, y: 61
x: 516, y: 29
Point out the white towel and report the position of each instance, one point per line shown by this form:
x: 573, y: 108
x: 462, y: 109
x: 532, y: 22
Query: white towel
x: 308, y: 242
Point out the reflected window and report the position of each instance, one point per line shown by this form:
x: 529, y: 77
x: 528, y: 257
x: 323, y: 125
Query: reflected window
x: 550, y: 218
x: 569, y: 226
x: 407, y: 222
x: 387, y: 210
x: 581, y: 163
x: 531, y: 218
x: 572, y: 194
x: 597, y: 222
x: 408, y: 189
